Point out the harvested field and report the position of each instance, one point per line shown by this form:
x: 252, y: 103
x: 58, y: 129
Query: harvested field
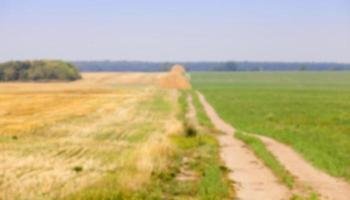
x: 56, y: 139
x: 107, y: 136
x: 26, y: 107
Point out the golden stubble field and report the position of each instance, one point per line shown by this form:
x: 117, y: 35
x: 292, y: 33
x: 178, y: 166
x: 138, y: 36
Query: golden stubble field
x: 57, y: 139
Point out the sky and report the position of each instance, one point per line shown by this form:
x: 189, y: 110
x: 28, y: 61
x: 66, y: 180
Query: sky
x: 181, y: 30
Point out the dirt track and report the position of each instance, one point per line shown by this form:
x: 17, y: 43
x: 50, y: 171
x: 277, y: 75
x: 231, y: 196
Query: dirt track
x: 328, y: 187
x: 253, y: 180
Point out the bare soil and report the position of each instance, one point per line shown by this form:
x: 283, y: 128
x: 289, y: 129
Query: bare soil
x: 327, y: 186
x: 253, y: 180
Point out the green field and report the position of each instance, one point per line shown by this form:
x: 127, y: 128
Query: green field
x: 308, y: 110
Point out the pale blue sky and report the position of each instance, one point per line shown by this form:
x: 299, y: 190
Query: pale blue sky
x: 181, y: 30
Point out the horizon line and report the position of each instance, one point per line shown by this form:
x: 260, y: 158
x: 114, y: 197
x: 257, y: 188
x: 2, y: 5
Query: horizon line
x: 178, y: 61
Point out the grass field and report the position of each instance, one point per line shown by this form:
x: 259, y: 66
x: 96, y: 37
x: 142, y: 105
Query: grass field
x: 307, y: 110
x: 107, y: 136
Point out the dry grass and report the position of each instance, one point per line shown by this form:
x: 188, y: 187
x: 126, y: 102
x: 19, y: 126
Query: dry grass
x: 175, y: 79
x: 58, y: 138
x: 25, y: 107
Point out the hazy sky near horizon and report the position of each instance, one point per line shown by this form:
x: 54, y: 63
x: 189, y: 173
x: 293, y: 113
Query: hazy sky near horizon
x: 181, y: 30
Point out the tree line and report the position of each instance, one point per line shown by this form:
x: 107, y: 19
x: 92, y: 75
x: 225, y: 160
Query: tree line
x: 38, y: 70
x: 120, y: 66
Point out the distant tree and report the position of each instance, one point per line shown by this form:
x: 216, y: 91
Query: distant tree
x: 257, y: 68
x: 302, y: 68
x: 38, y: 70
x: 9, y: 74
x: 165, y: 67
x: 228, y: 66
x: 335, y: 68
x: 231, y: 66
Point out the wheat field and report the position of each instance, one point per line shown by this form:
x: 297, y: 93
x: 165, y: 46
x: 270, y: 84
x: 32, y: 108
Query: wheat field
x: 58, y: 139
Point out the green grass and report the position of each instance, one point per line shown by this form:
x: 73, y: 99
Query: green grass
x: 202, y: 153
x: 212, y: 185
x: 312, y: 196
x: 182, y: 105
x: 267, y: 157
x: 202, y: 117
x: 307, y: 110
x: 160, y: 104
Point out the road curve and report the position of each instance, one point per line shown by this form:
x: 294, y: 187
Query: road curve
x: 327, y: 186
x: 252, y: 179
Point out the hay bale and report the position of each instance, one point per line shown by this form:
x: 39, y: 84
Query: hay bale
x: 175, y: 79
x: 178, y: 69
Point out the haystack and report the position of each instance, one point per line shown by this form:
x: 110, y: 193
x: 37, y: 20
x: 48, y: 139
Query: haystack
x: 175, y: 79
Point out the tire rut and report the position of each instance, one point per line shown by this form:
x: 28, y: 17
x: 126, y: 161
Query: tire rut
x: 252, y: 179
x: 325, y: 185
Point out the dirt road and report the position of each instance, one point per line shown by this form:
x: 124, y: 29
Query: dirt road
x: 327, y: 186
x: 253, y: 180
